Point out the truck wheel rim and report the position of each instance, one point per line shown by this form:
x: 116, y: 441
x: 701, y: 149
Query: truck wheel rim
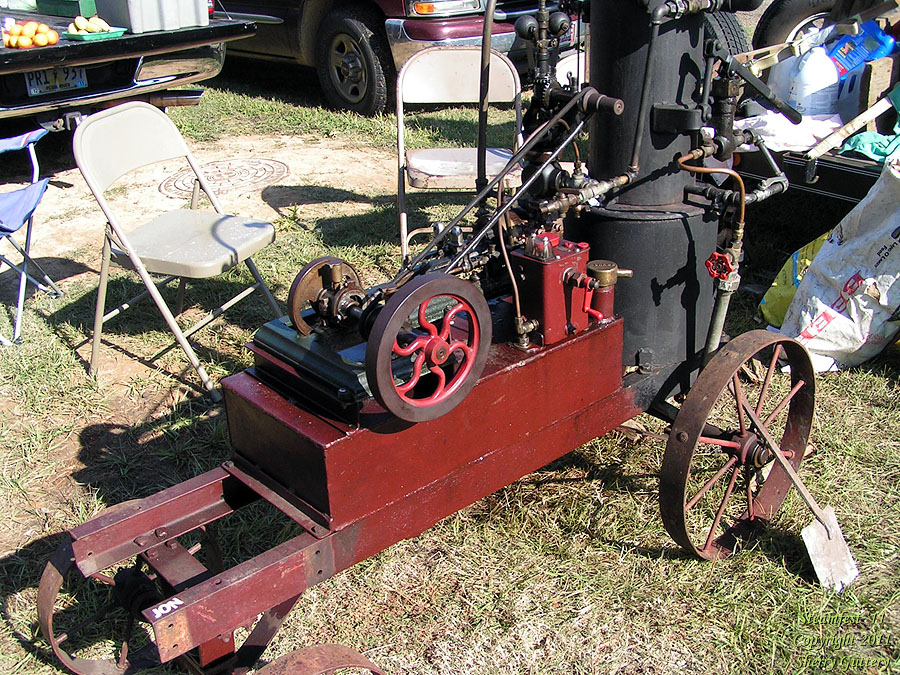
x: 348, y: 69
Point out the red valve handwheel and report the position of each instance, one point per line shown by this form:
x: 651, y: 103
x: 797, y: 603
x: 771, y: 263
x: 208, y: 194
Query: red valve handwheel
x: 719, y: 265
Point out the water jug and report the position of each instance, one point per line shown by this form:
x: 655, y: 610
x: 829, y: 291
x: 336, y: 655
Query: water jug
x: 814, y: 83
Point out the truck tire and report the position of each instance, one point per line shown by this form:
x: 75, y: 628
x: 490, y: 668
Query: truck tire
x: 725, y: 27
x: 784, y: 20
x: 353, y: 61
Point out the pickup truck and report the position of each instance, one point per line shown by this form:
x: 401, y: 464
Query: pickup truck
x: 358, y: 46
x: 57, y: 84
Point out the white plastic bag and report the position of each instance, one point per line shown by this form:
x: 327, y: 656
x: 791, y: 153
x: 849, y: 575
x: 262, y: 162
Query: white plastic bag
x: 847, y: 307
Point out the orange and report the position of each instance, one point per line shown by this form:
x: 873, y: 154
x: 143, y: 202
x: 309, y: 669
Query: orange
x: 15, y: 29
x: 43, y: 28
x: 52, y: 37
x: 40, y: 40
x: 25, y: 42
x: 13, y: 41
x: 6, y: 37
x: 30, y: 28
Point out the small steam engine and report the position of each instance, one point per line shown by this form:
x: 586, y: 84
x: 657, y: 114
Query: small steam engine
x: 504, y: 343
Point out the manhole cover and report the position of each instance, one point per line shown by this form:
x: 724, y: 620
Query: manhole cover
x: 228, y: 175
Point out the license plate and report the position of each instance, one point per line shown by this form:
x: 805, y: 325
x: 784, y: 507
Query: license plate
x: 52, y: 80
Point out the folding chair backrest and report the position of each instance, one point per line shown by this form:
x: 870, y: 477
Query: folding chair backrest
x: 111, y: 143
x: 450, y: 75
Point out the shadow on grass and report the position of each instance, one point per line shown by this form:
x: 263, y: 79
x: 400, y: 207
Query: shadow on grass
x: 886, y: 365
x: 143, y: 318
x: 287, y: 82
x: 285, y: 199
x: 121, y: 463
x: 58, y: 269
x: 377, y: 225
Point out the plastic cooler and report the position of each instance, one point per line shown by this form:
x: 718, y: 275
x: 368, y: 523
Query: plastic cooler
x: 143, y: 16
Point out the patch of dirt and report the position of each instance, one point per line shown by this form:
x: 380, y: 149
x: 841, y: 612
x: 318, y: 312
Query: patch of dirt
x: 68, y: 218
x: 323, y: 176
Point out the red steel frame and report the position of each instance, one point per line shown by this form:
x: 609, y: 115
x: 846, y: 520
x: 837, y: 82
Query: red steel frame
x: 364, y: 488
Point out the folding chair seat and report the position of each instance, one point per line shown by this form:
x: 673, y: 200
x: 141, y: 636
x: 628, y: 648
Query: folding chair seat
x: 451, y: 75
x: 179, y: 244
x: 17, y: 209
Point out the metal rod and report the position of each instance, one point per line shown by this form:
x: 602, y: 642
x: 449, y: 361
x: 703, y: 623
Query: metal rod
x: 484, y: 98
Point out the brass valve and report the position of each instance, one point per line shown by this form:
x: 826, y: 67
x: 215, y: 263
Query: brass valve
x: 606, y: 272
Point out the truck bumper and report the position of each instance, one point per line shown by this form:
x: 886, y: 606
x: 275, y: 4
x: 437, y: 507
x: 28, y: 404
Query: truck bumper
x: 150, y: 78
x: 408, y: 36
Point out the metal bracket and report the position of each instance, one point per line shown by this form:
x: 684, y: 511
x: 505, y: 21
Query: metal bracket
x: 675, y: 119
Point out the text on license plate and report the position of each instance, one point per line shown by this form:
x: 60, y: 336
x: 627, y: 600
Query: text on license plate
x: 55, y: 79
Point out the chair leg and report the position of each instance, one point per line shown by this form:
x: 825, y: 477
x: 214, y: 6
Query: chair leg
x: 181, y: 339
x: 173, y: 325
x: 100, y: 308
x: 401, y: 214
x: 179, y: 297
x: 23, y: 282
x: 263, y: 288
x: 50, y: 288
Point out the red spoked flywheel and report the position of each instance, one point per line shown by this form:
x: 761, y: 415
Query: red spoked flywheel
x: 428, y: 346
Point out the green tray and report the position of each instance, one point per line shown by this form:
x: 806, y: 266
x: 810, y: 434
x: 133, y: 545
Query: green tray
x: 112, y: 33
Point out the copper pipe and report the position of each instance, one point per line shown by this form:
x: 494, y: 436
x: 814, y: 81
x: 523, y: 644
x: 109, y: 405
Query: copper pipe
x: 742, y: 190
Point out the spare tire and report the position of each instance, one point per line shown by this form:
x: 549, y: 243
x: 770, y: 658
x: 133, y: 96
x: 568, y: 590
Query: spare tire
x: 785, y: 20
x: 725, y: 27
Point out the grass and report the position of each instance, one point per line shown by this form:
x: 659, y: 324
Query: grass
x: 565, y: 571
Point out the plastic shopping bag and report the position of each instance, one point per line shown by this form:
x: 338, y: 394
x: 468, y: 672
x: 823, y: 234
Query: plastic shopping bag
x: 847, y: 307
x: 775, y: 302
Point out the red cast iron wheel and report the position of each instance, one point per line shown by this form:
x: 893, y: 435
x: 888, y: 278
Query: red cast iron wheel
x: 718, y: 479
x: 420, y: 366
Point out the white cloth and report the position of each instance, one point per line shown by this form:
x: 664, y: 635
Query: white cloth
x: 780, y: 134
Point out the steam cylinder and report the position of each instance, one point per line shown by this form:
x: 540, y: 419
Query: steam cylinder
x: 649, y: 226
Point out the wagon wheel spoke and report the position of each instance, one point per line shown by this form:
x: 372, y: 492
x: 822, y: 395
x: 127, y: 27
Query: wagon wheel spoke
x: 721, y: 510
x: 739, y: 400
x: 768, y: 380
x: 81, y: 625
x: 708, y: 484
x: 784, y: 402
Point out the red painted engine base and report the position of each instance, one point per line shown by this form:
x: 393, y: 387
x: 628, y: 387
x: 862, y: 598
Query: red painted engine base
x: 355, y: 490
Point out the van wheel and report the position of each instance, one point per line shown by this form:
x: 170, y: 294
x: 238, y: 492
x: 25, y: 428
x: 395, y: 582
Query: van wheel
x: 353, y: 61
x: 785, y: 20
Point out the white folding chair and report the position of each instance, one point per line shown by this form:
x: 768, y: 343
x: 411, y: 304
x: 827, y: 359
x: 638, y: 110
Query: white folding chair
x: 182, y: 244
x: 17, y: 210
x: 451, y: 75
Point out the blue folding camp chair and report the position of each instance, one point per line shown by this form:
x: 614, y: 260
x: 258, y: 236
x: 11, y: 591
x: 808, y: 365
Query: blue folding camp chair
x: 17, y: 209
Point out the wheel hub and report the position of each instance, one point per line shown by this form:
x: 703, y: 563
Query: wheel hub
x: 760, y: 456
x: 437, y: 351
x: 751, y: 451
x: 351, y: 67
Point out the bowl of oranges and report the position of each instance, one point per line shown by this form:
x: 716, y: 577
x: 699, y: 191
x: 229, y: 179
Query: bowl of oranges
x: 28, y: 34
